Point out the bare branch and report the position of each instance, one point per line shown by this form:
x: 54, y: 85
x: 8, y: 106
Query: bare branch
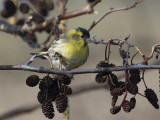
x: 82, y: 71
x: 111, y: 11
x: 6, y: 27
x: 29, y: 107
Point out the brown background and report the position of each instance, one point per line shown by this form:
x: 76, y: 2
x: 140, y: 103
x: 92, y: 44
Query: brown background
x: 142, y: 23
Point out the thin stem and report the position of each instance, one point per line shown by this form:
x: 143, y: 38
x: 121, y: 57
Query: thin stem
x: 143, y: 56
x: 143, y: 78
x: 141, y: 95
x: 106, y: 52
x: 33, y: 57
x: 133, y: 57
x: 109, y: 51
x: 126, y: 81
x: 48, y: 38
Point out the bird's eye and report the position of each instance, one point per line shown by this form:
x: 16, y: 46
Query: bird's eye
x: 82, y: 36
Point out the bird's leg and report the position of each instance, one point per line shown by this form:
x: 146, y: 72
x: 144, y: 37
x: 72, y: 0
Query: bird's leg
x: 59, y: 59
x: 50, y: 62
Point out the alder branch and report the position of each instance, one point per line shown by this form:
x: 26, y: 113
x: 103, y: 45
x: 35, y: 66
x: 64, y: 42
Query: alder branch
x: 16, y: 29
x: 6, y: 27
x: 111, y: 11
x: 26, y: 66
x: 30, y: 107
x: 73, y: 72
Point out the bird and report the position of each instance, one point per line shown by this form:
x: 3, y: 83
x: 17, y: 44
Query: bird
x: 72, y: 49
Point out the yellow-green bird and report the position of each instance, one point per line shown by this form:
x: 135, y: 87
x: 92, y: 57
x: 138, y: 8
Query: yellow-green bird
x: 72, y: 47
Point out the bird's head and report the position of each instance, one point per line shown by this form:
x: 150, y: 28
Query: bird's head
x: 78, y: 36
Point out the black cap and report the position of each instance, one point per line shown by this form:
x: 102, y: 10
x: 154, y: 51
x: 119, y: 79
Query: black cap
x: 84, y: 31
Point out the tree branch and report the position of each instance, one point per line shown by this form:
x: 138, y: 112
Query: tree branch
x: 29, y: 107
x: 82, y: 71
x: 6, y: 27
x: 111, y: 11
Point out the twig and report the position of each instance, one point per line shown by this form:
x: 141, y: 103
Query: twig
x: 109, y: 51
x: 141, y: 95
x: 105, y: 55
x: 152, y: 52
x: 48, y: 39
x: 144, y: 57
x: 111, y: 11
x: 33, y: 57
x: 133, y: 57
x: 126, y: 80
x: 143, y: 78
x: 85, y: 10
x: 111, y: 41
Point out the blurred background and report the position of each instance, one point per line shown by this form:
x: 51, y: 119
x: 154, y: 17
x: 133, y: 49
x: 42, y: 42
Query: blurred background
x: 141, y: 23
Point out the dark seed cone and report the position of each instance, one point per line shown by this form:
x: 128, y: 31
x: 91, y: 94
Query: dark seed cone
x: 90, y: 1
x: 134, y: 76
x: 41, y: 97
x: 133, y: 102
x: 66, y: 90
x: 101, y: 78
x: 49, y: 86
x: 24, y: 8
x: 47, y: 80
x: 64, y: 79
x: 32, y: 80
x: 152, y: 97
x: 104, y: 64
x: 121, y: 85
x: 52, y: 91
x: 132, y: 88
x: 43, y: 12
x: 4, y: 13
x: 9, y: 9
x: 114, y: 100
x: 61, y: 103
x: 47, y: 109
x: 116, y: 92
x: 42, y: 86
x: 20, y: 22
x: 112, y: 80
x: 115, y: 109
x: 126, y: 106
x: 41, y: 6
x: 31, y: 36
x: 37, y: 18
